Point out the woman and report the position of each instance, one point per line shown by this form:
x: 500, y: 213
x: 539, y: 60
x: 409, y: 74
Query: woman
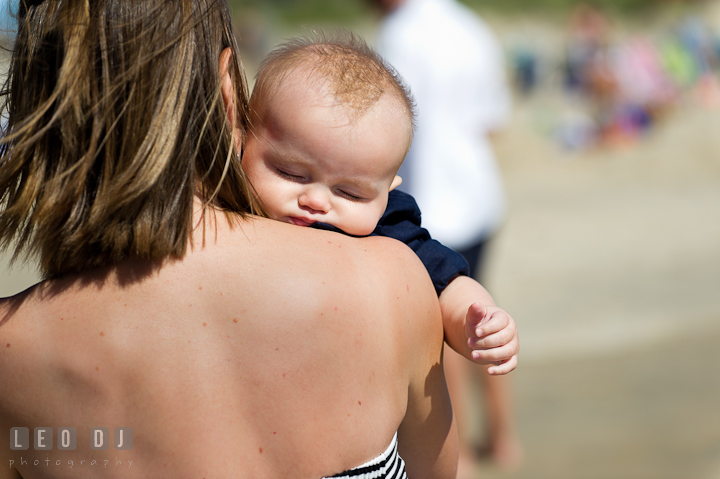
x: 222, y: 344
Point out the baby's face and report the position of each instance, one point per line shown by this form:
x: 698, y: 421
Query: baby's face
x: 310, y: 163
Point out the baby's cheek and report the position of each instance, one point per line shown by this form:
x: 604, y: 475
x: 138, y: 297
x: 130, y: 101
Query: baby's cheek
x: 270, y: 199
x: 362, y: 222
x: 363, y: 230
x: 274, y: 209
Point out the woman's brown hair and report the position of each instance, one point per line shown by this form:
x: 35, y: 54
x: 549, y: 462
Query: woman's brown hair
x: 115, y: 120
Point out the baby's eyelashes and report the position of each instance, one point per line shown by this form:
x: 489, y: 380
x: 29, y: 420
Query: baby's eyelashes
x: 289, y: 176
x: 350, y: 196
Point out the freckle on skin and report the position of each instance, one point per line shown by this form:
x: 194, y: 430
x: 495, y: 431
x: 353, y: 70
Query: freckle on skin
x: 261, y: 450
x: 204, y: 324
x: 102, y: 333
x: 407, y: 286
x: 235, y: 320
x: 8, y: 345
x: 97, y: 368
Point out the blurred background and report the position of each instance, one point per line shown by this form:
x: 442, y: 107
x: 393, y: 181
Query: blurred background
x: 609, y: 259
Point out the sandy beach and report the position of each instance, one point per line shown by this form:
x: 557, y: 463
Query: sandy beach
x: 610, y: 264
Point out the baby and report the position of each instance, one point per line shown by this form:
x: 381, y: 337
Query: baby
x: 331, y: 124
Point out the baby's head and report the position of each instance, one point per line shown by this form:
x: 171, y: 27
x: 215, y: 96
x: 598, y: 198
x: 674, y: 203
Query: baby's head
x: 331, y: 124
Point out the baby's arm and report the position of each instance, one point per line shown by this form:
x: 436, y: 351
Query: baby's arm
x: 498, y: 343
x: 476, y: 328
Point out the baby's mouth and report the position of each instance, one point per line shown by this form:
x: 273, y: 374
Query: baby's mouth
x: 300, y: 221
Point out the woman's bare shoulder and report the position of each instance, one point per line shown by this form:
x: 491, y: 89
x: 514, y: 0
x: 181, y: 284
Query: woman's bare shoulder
x: 374, y: 273
x: 269, y: 240
x: 390, y: 262
x: 14, y: 309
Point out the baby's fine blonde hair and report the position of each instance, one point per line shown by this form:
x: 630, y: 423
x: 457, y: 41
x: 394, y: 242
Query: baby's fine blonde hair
x: 356, y: 75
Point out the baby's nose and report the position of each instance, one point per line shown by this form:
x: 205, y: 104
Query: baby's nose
x: 314, y: 200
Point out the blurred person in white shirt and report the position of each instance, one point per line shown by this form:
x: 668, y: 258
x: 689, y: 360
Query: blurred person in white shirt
x: 455, y: 69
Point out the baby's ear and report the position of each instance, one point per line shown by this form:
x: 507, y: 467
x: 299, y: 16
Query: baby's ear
x: 226, y: 85
x: 397, y: 181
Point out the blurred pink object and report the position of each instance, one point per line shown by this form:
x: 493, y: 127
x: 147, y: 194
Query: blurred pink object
x: 640, y: 76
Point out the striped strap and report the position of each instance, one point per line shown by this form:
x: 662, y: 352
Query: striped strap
x: 388, y: 465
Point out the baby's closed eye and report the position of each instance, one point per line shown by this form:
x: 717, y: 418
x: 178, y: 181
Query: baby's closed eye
x: 288, y: 175
x: 350, y: 196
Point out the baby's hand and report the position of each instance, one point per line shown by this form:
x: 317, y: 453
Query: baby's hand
x: 493, y: 336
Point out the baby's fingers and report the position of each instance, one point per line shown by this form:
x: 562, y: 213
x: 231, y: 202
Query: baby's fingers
x: 503, y: 368
x: 496, y: 355
x: 476, y: 314
x: 501, y: 338
x: 498, y: 320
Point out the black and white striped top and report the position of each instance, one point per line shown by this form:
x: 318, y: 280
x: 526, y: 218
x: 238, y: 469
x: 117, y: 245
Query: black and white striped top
x: 388, y: 465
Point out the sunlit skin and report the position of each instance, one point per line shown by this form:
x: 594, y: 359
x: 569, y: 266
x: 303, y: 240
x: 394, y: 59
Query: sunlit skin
x: 312, y: 161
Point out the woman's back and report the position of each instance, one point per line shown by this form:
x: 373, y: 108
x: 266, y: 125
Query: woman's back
x: 253, y: 357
